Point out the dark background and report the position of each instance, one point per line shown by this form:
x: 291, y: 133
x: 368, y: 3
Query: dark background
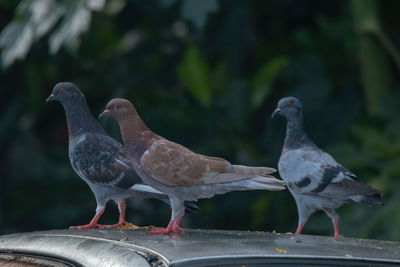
x: 206, y: 74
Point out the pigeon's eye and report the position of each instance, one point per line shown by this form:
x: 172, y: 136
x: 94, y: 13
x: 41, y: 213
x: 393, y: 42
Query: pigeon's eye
x: 61, y: 91
x: 117, y: 106
x: 289, y: 104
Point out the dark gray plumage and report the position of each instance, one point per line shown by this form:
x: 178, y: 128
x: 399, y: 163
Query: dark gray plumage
x: 102, y: 162
x: 314, y: 178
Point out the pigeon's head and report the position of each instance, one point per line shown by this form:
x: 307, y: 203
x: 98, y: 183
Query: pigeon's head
x: 118, y: 108
x: 65, y: 92
x: 289, y: 107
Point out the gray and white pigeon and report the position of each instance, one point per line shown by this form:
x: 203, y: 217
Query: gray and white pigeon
x: 102, y: 162
x: 179, y: 172
x: 315, y: 179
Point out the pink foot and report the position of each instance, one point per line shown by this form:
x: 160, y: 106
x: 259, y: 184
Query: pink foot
x: 178, y: 230
x: 172, y: 228
x: 167, y: 231
x: 87, y: 226
x: 162, y: 231
x: 93, y: 223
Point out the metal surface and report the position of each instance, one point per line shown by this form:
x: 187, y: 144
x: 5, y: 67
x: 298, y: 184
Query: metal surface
x: 199, y: 248
x: 14, y: 259
x: 84, y: 250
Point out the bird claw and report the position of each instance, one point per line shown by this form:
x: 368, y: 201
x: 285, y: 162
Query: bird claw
x: 162, y: 231
x: 178, y: 230
x: 167, y: 231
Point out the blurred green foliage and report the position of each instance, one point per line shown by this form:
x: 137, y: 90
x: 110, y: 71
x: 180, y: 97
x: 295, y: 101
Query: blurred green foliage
x: 194, y: 74
x: 206, y: 74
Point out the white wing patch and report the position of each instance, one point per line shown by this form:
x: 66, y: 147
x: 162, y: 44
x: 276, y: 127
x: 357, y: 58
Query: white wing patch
x: 145, y: 188
x: 81, y: 139
x: 122, y: 163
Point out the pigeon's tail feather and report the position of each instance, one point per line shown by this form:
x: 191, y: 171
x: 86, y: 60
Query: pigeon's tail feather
x: 365, y: 194
x: 256, y: 183
x: 375, y: 199
x: 148, y: 191
x: 351, y: 189
x: 240, y: 169
x: 190, y: 207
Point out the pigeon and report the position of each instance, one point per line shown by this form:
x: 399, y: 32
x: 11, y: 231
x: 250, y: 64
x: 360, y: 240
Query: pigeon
x: 313, y: 177
x: 101, y: 161
x: 179, y: 172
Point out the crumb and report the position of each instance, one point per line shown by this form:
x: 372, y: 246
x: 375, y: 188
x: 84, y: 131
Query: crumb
x: 281, y: 250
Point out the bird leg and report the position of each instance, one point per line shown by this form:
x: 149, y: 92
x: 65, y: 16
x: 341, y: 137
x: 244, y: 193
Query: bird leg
x: 163, y: 231
x: 172, y: 228
x: 178, y: 211
x: 300, y: 228
x: 304, y: 214
x: 122, y: 221
x: 175, y: 227
x: 335, y: 220
x: 93, y: 223
x: 336, y: 223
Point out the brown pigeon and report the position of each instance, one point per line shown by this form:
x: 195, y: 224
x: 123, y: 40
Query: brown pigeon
x: 179, y: 172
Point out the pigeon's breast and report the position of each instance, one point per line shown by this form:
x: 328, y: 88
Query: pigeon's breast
x: 74, y: 142
x: 76, y: 156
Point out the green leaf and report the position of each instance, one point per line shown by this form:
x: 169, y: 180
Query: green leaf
x: 264, y: 78
x: 220, y: 77
x: 194, y: 73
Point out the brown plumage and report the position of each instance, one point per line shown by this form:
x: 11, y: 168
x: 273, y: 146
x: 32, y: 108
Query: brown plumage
x: 178, y: 171
x: 175, y: 165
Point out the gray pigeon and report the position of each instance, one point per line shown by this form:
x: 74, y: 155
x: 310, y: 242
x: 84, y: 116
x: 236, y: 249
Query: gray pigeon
x: 102, y: 162
x: 315, y: 179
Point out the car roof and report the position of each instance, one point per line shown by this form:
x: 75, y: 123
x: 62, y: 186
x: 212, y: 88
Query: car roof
x: 123, y: 247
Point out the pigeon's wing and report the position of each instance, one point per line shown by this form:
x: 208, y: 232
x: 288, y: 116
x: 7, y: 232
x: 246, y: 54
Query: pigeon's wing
x: 311, y: 171
x: 175, y: 165
x: 99, y: 159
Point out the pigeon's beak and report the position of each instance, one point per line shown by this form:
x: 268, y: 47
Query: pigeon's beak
x: 105, y: 113
x: 50, y: 98
x: 277, y: 111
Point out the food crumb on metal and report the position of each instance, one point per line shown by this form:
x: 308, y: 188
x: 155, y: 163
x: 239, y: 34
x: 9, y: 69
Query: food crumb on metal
x: 281, y: 250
